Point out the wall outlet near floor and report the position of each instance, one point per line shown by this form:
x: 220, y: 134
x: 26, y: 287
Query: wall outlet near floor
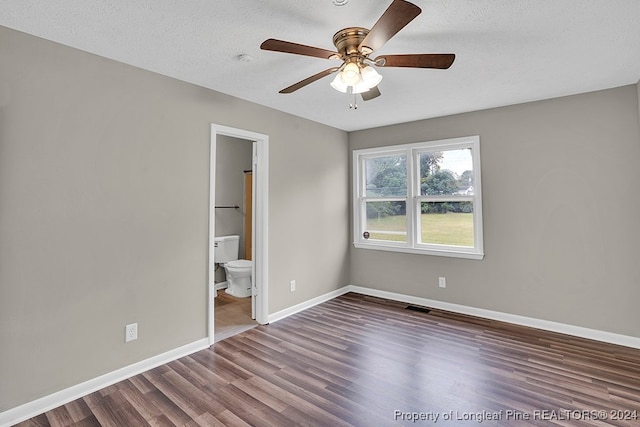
x: 292, y: 285
x: 442, y: 282
x: 131, y: 332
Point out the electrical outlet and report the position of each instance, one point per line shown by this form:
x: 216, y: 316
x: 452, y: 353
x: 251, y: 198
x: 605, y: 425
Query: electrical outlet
x: 442, y: 282
x: 292, y: 286
x: 131, y: 332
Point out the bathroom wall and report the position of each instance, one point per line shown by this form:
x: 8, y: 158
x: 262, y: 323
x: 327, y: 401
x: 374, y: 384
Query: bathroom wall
x: 560, y: 208
x: 104, y: 208
x: 233, y: 157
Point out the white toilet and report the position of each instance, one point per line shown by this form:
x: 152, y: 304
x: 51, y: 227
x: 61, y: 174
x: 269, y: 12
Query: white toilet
x: 225, y: 253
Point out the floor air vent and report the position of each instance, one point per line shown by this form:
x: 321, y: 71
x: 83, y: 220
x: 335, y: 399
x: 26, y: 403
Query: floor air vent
x: 416, y: 308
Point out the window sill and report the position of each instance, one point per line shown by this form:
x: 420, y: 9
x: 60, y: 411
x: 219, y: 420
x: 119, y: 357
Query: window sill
x: 434, y: 252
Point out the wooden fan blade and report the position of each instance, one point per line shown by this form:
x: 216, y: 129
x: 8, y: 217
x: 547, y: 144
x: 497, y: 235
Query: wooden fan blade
x: 426, y: 60
x: 308, y: 80
x: 374, y: 92
x: 297, y: 49
x: 395, y: 18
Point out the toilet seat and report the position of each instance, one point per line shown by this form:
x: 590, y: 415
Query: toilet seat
x: 239, y: 263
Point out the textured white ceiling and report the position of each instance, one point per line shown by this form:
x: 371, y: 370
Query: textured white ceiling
x: 507, y: 51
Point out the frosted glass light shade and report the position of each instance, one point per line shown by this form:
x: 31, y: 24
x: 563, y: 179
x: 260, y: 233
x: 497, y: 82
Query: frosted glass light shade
x: 360, y: 87
x: 370, y: 76
x: 351, y: 74
x: 339, y: 84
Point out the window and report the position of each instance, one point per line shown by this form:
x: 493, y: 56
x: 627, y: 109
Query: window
x: 419, y: 198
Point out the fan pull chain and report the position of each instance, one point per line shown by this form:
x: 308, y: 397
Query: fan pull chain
x: 354, y: 105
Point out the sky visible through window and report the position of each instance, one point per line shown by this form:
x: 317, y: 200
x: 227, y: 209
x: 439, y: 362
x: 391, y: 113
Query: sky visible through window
x: 457, y: 161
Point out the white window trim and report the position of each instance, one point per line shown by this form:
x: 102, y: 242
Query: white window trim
x: 413, y: 198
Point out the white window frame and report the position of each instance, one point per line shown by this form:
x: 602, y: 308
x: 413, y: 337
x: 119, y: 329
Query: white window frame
x: 413, y: 198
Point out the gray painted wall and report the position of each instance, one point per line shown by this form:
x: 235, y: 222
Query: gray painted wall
x: 561, y: 201
x: 104, y: 195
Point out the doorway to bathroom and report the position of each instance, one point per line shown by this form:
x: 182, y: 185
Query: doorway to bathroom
x: 238, y: 205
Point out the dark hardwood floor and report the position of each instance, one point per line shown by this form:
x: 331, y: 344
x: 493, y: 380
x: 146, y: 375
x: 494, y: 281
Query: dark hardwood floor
x: 364, y: 361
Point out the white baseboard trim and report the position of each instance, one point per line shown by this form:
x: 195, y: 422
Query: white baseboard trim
x: 307, y: 304
x: 577, y: 331
x: 46, y: 403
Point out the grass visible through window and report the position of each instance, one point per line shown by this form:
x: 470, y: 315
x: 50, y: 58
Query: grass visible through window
x: 452, y: 228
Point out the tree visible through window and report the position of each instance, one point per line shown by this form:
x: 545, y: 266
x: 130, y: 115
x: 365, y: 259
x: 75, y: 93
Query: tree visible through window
x: 420, y: 197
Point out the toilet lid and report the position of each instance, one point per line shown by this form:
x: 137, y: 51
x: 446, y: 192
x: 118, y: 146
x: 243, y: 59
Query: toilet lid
x: 240, y: 263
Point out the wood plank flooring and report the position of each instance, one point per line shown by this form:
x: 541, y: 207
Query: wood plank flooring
x: 364, y: 361
x: 232, y: 315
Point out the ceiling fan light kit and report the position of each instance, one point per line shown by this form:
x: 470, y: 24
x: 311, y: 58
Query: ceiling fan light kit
x: 356, y: 79
x: 353, y: 47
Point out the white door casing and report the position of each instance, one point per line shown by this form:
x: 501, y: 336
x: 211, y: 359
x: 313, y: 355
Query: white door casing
x: 260, y: 222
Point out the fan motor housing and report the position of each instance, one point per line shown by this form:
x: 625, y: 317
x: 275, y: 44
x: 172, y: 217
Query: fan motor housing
x: 347, y: 40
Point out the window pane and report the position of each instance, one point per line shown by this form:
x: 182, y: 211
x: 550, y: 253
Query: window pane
x: 386, y: 176
x: 386, y: 221
x: 447, y: 223
x: 446, y: 172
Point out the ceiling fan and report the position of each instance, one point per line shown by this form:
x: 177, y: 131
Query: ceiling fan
x: 353, y: 47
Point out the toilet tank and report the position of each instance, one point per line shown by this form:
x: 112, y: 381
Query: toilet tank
x: 225, y: 248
